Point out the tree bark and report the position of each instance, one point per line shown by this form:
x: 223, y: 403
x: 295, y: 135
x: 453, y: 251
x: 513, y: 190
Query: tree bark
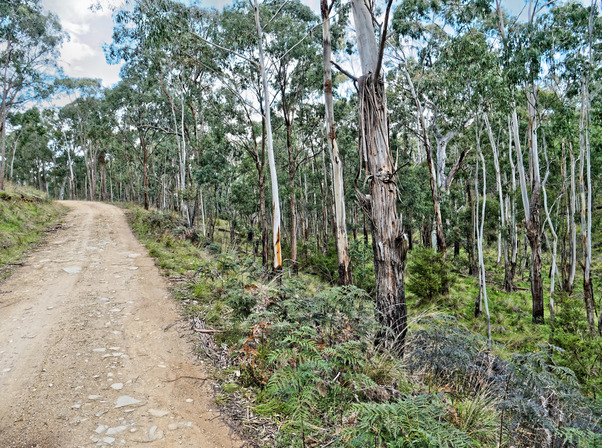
x: 439, y: 233
x: 479, y: 228
x: 531, y: 206
x: 343, y: 260
x: 388, y: 241
x: 586, y: 202
x: 293, y: 197
x: 276, y: 218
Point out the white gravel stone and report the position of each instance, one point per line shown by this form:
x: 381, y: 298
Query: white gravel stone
x: 126, y: 400
x: 154, y: 433
x: 116, y: 430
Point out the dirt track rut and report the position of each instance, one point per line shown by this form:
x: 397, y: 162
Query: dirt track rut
x: 92, y: 351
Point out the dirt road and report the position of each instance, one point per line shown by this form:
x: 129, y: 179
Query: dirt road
x: 92, y: 352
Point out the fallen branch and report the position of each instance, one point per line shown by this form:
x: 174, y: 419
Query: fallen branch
x: 185, y: 376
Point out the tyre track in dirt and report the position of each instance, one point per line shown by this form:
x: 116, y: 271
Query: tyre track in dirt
x: 88, y: 353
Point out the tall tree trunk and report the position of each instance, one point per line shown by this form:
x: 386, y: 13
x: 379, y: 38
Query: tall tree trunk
x: 470, y: 244
x: 102, y: 168
x: 3, y: 113
x: 344, y: 262
x: 498, y: 181
x: 326, y: 205
x: 554, y: 268
x: 388, y: 241
x: 276, y: 218
x: 439, y: 233
x: 12, y: 160
x: 532, y: 206
x: 145, y: 173
x: 293, y: 197
x: 479, y: 228
x: 586, y: 203
x: 511, y: 257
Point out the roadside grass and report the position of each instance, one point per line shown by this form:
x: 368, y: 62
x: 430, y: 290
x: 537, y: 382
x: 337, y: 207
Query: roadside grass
x: 25, y: 215
x: 297, y: 367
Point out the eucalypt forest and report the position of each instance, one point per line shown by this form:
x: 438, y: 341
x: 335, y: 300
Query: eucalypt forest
x: 381, y: 218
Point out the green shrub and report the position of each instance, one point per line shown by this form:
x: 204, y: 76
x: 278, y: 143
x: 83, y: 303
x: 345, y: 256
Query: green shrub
x: 411, y: 422
x: 430, y: 276
x: 582, y: 351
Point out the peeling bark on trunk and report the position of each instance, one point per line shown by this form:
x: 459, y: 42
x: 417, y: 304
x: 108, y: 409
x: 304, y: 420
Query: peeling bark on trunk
x: 343, y: 260
x: 388, y: 241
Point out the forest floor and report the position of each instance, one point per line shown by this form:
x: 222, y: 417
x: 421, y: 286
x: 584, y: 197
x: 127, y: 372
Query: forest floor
x: 93, y: 351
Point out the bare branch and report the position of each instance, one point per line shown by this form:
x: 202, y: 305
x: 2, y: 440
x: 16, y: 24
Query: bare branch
x: 255, y: 63
x: 344, y: 72
x: 383, y: 41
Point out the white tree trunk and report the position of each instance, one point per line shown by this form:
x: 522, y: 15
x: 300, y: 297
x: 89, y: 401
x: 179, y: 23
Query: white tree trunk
x: 554, y: 268
x: 479, y: 227
x: 498, y: 181
x: 276, y: 217
x: 344, y: 262
x: 572, y: 226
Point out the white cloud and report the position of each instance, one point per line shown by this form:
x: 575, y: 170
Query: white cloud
x: 89, y: 28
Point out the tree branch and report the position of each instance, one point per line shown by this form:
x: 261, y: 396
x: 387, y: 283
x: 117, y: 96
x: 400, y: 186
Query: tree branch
x: 344, y: 72
x: 383, y: 40
x: 198, y: 36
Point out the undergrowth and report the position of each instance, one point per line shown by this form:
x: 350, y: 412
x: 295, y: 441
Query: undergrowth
x: 25, y: 215
x: 297, y: 366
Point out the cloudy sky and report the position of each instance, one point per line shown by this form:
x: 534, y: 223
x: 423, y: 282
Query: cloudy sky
x: 90, y: 28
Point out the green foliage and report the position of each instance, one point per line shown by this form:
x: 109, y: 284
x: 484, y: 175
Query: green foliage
x: 478, y: 416
x: 24, y: 215
x: 582, y: 351
x: 324, y: 265
x: 544, y: 403
x: 416, y: 422
x: 362, y: 262
x: 430, y: 276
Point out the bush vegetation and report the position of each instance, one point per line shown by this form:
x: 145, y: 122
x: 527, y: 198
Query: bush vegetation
x: 25, y: 215
x: 297, y: 355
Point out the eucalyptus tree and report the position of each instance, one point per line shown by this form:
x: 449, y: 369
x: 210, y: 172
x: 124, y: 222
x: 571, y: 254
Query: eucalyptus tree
x: 276, y: 218
x: 388, y: 240
x: 293, y: 51
x: 29, y: 42
x: 524, y: 48
x: 86, y: 124
x: 142, y: 118
x: 31, y: 151
x: 580, y: 57
x: 447, y: 69
x: 241, y: 97
x: 344, y: 262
